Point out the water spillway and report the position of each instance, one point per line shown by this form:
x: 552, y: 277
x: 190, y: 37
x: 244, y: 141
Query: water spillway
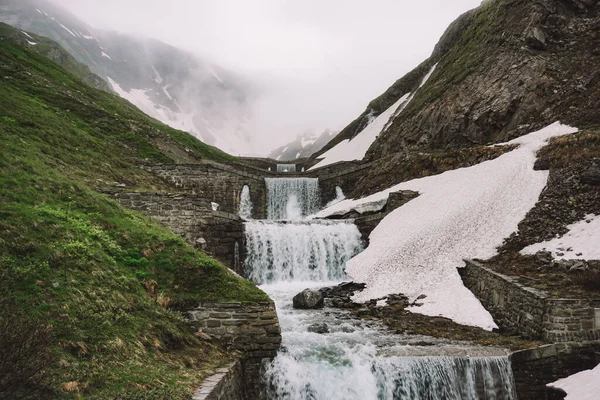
x: 286, y: 167
x: 354, y: 359
x: 245, y: 210
x: 292, y: 198
x: 299, y: 251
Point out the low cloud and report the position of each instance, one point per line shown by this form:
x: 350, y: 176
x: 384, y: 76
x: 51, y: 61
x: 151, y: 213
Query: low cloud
x: 316, y: 64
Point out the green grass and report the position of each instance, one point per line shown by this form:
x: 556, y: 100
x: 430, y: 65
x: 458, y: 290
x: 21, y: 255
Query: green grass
x: 106, y: 282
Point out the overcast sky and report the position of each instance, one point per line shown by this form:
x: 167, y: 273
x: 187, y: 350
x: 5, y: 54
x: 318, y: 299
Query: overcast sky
x: 321, y: 61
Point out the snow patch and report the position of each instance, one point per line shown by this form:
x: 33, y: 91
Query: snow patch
x: 88, y: 37
x: 38, y: 11
x: 68, y: 30
x: 157, y: 78
x: 139, y: 98
x: 28, y: 35
x: 305, y: 141
x: 106, y: 55
x: 584, y: 385
x: 357, y: 147
x: 31, y: 43
x: 464, y: 213
x: 214, y: 74
x: 580, y: 243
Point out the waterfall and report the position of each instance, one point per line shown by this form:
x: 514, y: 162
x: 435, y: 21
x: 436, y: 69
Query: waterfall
x: 292, y: 198
x: 286, y: 167
x: 299, y: 251
x: 339, y: 196
x: 360, y: 374
x: 245, y: 203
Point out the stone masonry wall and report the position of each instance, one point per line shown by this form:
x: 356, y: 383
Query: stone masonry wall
x: 529, y: 312
x: 570, y: 320
x: 534, y: 369
x: 217, y: 183
x: 344, y: 175
x: 251, y: 329
x: 226, y: 384
x: 191, y: 217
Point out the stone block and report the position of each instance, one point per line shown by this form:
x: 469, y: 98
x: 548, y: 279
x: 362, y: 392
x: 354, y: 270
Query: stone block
x: 213, y: 323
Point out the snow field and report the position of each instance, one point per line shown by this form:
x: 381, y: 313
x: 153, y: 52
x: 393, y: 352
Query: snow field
x: 582, y: 242
x: 464, y: 213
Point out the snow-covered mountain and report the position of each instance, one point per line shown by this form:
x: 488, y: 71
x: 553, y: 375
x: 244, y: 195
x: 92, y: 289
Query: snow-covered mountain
x: 166, y: 83
x: 303, y: 147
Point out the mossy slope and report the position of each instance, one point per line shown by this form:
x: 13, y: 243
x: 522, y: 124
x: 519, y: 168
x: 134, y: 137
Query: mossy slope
x: 104, y: 282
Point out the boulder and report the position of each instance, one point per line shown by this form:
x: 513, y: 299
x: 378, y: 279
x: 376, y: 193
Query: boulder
x: 535, y: 38
x: 319, y: 328
x: 308, y: 299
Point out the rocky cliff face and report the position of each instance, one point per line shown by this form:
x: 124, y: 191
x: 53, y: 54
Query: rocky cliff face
x: 503, y: 70
x: 166, y: 83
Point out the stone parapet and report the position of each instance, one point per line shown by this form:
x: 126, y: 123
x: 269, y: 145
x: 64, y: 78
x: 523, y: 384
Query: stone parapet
x: 529, y: 312
x: 252, y: 329
x: 226, y: 384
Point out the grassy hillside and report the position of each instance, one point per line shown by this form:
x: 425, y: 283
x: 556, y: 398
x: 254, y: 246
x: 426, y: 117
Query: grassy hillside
x: 89, y: 291
x: 54, y: 52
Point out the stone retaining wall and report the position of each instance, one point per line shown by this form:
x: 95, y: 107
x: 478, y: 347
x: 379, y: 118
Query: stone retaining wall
x: 251, y: 329
x: 528, y: 312
x: 226, y: 384
x: 533, y: 369
x: 191, y: 217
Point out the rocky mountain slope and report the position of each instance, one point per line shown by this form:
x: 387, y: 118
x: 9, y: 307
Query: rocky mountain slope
x: 303, y: 147
x: 501, y: 70
x: 92, y: 293
x: 166, y: 83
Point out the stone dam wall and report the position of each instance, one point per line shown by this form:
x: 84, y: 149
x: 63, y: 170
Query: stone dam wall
x: 528, y: 312
x: 218, y: 183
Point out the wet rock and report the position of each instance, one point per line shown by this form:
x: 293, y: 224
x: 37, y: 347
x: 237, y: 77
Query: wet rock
x: 308, y: 299
x: 319, y: 328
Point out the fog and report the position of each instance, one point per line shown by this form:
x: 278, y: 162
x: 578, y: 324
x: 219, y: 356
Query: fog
x: 317, y: 63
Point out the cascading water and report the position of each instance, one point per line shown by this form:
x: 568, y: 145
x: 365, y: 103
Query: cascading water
x: 245, y: 203
x: 286, y: 167
x: 292, y: 198
x: 355, y: 359
x: 299, y: 250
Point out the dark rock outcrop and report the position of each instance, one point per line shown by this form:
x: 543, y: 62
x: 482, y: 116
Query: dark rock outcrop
x: 503, y: 70
x: 308, y: 299
x: 591, y: 176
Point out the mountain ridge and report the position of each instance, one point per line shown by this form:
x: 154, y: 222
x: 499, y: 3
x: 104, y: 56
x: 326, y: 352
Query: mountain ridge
x: 167, y: 83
